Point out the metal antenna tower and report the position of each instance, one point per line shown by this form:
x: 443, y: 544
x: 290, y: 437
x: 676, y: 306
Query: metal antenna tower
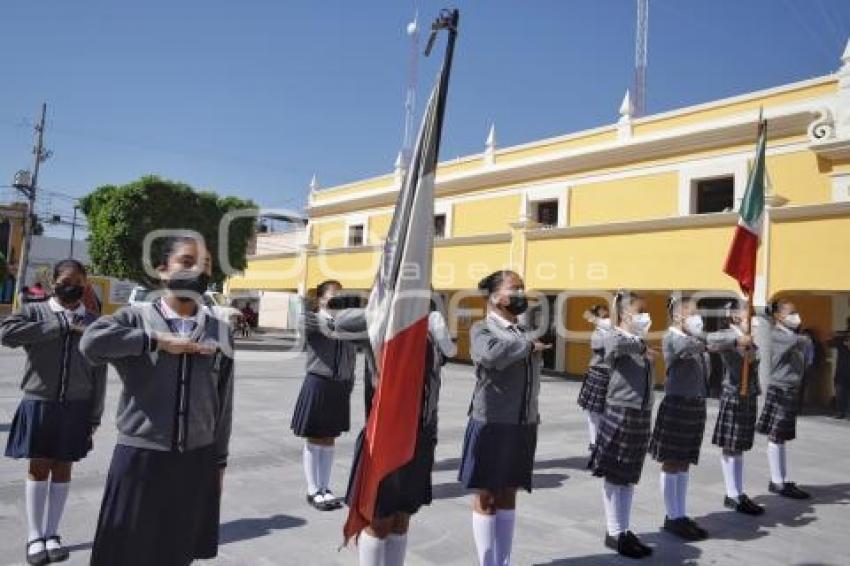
x: 641, y: 33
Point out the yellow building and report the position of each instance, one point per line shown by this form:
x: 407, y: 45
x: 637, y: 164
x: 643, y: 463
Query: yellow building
x: 645, y: 203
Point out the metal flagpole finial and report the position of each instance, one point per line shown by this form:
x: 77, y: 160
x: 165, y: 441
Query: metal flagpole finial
x: 446, y: 20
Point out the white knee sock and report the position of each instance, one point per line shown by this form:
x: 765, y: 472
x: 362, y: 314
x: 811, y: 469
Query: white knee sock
x: 327, y: 462
x: 624, y: 506
x: 592, y: 425
x: 776, y: 459
x: 371, y: 550
x: 739, y: 473
x: 733, y: 490
x: 311, y: 466
x: 505, y: 520
x: 36, y: 495
x: 682, y: 494
x: 395, y: 550
x: 484, y: 532
x: 669, y: 488
x: 612, y: 496
x: 58, y: 495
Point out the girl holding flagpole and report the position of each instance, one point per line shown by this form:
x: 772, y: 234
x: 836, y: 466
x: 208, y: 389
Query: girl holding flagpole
x: 625, y: 427
x: 680, y: 423
x: 591, y: 397
x: 403, y: 492
x: 734, y: 430
x: 501, y: 437
x: 779, y: 416
x: 62, y: 404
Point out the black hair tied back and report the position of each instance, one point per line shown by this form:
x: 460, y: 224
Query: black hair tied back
x: 492, y: 282
x: 68, y: 264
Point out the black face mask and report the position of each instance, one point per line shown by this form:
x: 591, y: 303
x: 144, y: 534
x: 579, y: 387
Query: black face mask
x: 341, y: 302
x: 517, y: 305
x: 189, y: 281
x: 68, y: 294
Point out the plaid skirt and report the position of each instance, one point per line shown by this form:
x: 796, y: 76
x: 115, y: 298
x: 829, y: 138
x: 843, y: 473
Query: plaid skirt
x: 621, y: 444
x: 735, y: 429
x: 779, y: 416
x: 591, y: 397
x: 679, y: 427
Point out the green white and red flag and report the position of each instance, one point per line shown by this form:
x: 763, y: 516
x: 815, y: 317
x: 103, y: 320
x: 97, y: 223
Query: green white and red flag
x: 741, y: 261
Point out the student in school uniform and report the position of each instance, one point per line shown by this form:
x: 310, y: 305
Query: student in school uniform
x: 735, y: 428
x: 501, y: 436
x: 680, y: 423
x: 591, y: 397
x: 625, y: 427
x: 323, y: 409
x: 778, y: 419
x: 402, y: 493
x: 62, y: 405
x: 162, y: 496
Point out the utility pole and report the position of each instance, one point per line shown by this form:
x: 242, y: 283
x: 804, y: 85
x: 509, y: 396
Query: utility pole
x: 73, y: 230
x: 28, y: 188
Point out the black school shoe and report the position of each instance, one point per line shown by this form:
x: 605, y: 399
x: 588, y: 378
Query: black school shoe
x: 789, y: 489
x: 684, y: 528
x: 744, y: 505
x: 57, y: 554
x: 39, y: 558
x: 700, y: 532
x: 628, y: 545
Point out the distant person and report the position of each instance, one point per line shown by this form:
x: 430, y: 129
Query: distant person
x: 250, y: 315
x: 62, y: 405
x: 841, y: 343
x: 591, y: 397
x: 24, y: 295
x: 814, y: 358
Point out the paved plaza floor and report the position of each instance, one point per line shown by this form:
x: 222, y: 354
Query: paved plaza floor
x: 265, y: 520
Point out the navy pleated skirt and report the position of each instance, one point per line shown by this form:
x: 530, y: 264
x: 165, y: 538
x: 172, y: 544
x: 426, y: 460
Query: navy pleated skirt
x: 159, y: 508
x: 51, y: 430
x: 407, y: 489
x: 498, y: 456
x: 323, y: 408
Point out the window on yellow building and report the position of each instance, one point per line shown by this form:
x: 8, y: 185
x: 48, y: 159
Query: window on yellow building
x: 355, y: 235
x: 714, y: 195
x: 439, y: 225
x: 547, y: 212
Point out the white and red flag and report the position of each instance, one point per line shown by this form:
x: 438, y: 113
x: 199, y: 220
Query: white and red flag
x: 741, y: 261
x: 397, y: 312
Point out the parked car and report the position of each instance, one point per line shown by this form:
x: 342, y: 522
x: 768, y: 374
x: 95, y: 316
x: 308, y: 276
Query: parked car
x: 213, y: 301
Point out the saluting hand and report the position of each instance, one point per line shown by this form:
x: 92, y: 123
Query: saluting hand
x: 745, y: 341
x: 174, y: 344
x: 651, y: 353
x: 540, y: 346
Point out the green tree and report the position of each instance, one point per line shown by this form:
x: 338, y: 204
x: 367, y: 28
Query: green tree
x: 119, y: 218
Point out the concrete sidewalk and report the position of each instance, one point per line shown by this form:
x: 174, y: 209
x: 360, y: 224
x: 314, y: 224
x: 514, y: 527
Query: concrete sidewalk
x: 266, y: 522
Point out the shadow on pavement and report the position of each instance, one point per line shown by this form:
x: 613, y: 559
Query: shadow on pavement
x: 729, y: 525
x: 452, y: 490
x: 667, y: 551
x: 574, y: 463
x: 246, y: 529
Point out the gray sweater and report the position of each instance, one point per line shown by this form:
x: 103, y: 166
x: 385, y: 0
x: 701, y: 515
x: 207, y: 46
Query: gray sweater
x: 787, y: 358
x: 597, y: 350
x: 507, y: 374
x: 725, y: 343
x: 331, y: 343
x: 55, y: 369
x: 168, y: 402
x: 687, y: 365
x: 630, y: 384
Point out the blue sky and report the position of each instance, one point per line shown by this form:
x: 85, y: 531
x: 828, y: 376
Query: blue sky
x: 252, y: 97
